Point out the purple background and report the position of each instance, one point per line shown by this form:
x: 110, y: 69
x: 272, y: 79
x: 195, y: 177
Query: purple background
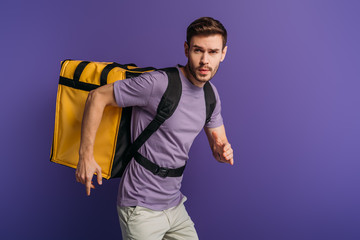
x: 290, y: 94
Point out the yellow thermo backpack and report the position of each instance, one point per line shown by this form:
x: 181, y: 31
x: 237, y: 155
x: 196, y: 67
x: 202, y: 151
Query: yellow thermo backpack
x: 113, y: 149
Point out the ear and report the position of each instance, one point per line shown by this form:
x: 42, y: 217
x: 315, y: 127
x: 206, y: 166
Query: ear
x: 186, y: 48
x: 223, y: 54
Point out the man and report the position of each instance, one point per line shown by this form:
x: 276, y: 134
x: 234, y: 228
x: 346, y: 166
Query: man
x: 151, y: 206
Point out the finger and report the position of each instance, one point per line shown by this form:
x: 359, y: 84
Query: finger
x: 88, y: 186
x: 227, y: 146
x: 226, y: 157
x: 82, y: 179
x: 229, y: 157
x: 77, y: 177
x: 228, y: 153
x: 221, y: 158
x: 99, y: 177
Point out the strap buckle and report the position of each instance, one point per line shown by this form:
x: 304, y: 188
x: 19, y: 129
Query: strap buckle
x: 162, y: 172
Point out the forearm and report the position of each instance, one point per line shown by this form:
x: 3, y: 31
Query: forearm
x: 90, y: 123
x: 94, y: 107
x: 211, y: 140
x: 219, y: 144
x: 220, y: 132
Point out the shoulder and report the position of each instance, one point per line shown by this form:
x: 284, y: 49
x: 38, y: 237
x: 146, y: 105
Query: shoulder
x: 158, y: 79
x: 143, y: 81
x: 156, y: 76
x: 138, y: 90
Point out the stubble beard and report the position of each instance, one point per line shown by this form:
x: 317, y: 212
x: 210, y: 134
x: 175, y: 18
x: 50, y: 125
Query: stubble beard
x: 193, y: 73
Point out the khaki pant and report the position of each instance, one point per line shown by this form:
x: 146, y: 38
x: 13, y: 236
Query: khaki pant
x: 139, y: 223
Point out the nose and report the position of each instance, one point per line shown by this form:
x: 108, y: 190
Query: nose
x: 204, y: 58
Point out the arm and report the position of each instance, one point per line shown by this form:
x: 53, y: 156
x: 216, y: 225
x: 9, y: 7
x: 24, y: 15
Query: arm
x: 96, y: 102
x: 219, y: 144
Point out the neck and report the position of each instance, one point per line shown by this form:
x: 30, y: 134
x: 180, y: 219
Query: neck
x: 186, y: 71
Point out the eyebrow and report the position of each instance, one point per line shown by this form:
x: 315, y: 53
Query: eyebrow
x: 215, y: 49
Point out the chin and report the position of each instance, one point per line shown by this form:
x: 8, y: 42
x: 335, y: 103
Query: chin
x: 203, y: 78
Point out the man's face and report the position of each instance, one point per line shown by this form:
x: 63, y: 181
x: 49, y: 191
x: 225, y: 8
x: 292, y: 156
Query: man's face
x: 204, y: 55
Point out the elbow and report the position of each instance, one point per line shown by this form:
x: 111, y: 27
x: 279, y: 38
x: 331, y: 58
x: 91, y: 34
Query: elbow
x: 102, y: 96
x: 94, y: 97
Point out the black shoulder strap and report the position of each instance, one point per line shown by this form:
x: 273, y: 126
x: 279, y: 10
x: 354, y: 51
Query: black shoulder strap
x: 166, y: 108
x: 210, y: 100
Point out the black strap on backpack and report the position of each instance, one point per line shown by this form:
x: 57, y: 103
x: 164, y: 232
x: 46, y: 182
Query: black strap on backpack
x: 166, y: 108
x: 210, y: 101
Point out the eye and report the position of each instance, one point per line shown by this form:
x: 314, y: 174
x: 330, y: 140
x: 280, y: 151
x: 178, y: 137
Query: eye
x: 197, y: 50
x: 213, y: 52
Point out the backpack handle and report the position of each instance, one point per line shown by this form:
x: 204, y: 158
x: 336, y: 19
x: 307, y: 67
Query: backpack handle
x: 132, y: 72
x: 111, y: 66
x: 79, y: 69
x: 103, y: 77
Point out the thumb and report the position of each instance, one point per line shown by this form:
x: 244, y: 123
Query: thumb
x: 99, y: 176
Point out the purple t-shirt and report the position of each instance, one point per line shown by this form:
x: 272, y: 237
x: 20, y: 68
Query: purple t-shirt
x: 169, y: 146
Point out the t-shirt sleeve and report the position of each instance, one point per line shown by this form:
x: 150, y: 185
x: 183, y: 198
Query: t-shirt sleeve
x: 216, y: 119
x: 134, y: 91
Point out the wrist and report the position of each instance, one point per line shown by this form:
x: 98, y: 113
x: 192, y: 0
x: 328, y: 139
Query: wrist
x: 85, y: 151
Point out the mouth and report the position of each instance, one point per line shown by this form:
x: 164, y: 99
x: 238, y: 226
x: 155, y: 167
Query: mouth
x: 204, y: 71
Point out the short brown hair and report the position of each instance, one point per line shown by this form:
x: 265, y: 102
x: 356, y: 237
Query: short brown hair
x: 206, y: 26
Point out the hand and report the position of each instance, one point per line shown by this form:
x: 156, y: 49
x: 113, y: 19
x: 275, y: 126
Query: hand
x: 222, y: 150
x: 85, y: 171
